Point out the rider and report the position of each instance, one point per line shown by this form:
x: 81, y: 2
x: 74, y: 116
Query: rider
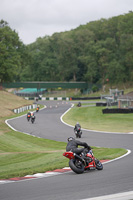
x: 73, y: 144
x: 38, y: 107
x: 79, y: 104
x: 77, y: 126
x: 32, y: 115
x: 28, y: 114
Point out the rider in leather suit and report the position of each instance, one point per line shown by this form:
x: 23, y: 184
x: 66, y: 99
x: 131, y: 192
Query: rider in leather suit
x: 77, y: 126
x: 73, y: 144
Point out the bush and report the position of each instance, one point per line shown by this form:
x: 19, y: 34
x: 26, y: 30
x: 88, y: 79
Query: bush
x: 95, y: 88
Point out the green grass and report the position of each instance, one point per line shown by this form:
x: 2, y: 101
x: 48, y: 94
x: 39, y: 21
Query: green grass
x: 108, y: 153
x: 22, y: 154
x: 92, y: 118
x: 30, y: 163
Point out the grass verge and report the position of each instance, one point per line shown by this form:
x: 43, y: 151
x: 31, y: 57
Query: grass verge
x: 92, y: 118
x: 22, y: 154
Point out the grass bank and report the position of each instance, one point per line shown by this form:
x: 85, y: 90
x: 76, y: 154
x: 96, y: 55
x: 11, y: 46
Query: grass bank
x: 9, y: 101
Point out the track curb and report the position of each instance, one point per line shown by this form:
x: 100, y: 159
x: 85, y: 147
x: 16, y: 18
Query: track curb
x: 41, y: 175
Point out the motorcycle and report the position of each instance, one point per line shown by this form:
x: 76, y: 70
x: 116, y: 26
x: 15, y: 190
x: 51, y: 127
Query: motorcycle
x: 37, y: 109
x: 79, y: 164
x: 78, y: 132
x: 28, y: 117
x: 32, y: 119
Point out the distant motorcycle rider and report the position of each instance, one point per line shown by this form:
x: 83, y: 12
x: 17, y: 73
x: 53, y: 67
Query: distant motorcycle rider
x: 32, y: 117
x: 73, y: 144
x: 77, y: 130
x: 77, y: 126
x: 37, y: 109
x: 28, y: 115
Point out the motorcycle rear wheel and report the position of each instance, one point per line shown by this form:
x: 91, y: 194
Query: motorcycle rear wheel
x: 99, y: 165
x: 78, y: 135
x: 77, y: 166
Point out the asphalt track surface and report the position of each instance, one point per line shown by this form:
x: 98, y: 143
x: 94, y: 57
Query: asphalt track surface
x: 116, y: 177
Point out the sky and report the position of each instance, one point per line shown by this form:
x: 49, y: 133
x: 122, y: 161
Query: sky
x: 32, y: 19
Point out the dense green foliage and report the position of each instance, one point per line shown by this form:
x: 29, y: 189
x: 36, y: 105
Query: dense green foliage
x: 11, y: 54
x: 94, y: 52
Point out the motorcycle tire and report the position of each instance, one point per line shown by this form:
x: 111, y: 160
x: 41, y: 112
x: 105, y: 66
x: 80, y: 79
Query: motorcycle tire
x: 77, y: 166
x: 99, y: 165
x: 32, y: 121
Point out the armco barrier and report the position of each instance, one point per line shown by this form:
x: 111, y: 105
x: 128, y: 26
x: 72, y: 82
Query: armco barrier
x: 84, y: 98
x: 101, y: 104
x: 55, y: 98
x: 24, y: 108
x: 117, y: 110
x: 49, y: 98
x: 63, y: 98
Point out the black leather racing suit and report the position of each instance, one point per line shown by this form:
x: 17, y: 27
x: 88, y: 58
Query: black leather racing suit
x: 77, y: 126
x: 73, y: 146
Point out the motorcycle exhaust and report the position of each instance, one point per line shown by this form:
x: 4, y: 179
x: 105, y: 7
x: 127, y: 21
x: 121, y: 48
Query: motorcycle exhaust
x: 77, y: 156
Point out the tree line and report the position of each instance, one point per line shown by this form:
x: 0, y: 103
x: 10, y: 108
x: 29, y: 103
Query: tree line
x: 97, y: 52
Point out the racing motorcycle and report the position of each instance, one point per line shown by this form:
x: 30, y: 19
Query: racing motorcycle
x: 79, y: 163
x: 32, y: 119
x: 37, y: 109
x: 78, y: 132
x: 28, y: 117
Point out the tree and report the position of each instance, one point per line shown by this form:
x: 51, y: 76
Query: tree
x: 10, y: 58
x: 93, y: 52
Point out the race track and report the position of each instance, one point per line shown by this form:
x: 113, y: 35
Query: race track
x: 116, y: 177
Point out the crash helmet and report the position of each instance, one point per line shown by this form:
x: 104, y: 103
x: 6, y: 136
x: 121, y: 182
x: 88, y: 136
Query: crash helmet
x: 32, y: 113
x: 70, y: 139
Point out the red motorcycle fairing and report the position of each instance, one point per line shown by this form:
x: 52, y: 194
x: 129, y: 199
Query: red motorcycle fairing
x: 69, y: 155
x: 91, y: 164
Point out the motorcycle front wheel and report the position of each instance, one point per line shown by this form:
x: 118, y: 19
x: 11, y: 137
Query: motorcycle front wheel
x: 77, y: 166
x: 99, y: 165
x: 32, y: 121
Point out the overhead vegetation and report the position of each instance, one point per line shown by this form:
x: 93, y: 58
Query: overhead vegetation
x: 97, y: 52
